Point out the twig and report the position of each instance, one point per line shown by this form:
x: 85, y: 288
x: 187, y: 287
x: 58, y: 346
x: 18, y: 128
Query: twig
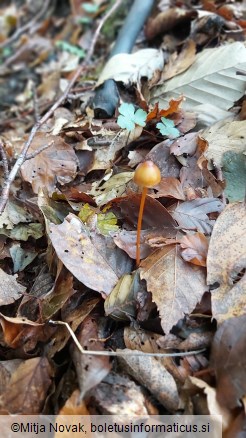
x: 22, y: 156
x: 38, y: 151
x: 26, y: 27
x: 123, y: 352
x: 4, y: 160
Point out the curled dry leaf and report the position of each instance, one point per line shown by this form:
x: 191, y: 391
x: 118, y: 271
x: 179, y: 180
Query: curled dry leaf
x: 22, y: 333
x: 229, y: 362
x: 120, y: 303
x: 28, y: 387
x: 165, y: 271
x: 226, y: 263
x: 194, y: 248
x: 57, y: 163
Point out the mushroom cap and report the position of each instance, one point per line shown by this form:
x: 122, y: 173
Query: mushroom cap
x: 147, y: 174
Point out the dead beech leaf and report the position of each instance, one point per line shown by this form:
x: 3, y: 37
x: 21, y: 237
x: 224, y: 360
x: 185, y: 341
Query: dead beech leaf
x: 11, y: 290
x: 194, y: 214
x: 229, y: 361
x: 194, y: 248
x: 176, y: 286
x: 91, y: 370
x: 170, y: 187
x: 226, y: 263
x: 28, y: 386
x: 57, y: 163
x: 7, y: 368
x: 20, y: 332
x: 150, y: 373
x: 223, y: 136
x: 91, y: 261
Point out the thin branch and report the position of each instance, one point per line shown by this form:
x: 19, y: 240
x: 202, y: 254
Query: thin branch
x: 26, y: 27
x: 121, y: 352
x: 4, y: 160
x: 38, y: 151
x: 22, y: 156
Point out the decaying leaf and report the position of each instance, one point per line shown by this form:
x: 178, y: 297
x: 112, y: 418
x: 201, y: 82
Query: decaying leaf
x: 28, y: 387
x: 120, y: 304
x: 194, y: 248
x: 224, y: 136
x: 193, y: 215
x: 164, y: 272
x: 85, y: 257
x: 234, y: 172
x: 129, y: 68
x: 56, y: 163
x: 118, y: 394
x: 90, y: 369
x: 11, y: 290
x: 229, y: 361
x: 150, y: 373
x: 211, y: 78
x: 226, y: 263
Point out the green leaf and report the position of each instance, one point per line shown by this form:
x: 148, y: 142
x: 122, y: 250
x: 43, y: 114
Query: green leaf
x: 90, y: 8
x: 234, y: 171
x: 67, y: 47
x: 128, y: 118
x: 166, y: 127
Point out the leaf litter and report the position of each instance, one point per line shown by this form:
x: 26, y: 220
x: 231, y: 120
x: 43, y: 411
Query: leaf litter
x: 70, y: 209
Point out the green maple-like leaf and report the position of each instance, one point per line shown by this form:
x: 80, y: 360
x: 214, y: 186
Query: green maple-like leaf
x: 167, y: 128
x: 128, y: 118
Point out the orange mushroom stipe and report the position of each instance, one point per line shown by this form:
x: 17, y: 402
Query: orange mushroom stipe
x: 146, y: 175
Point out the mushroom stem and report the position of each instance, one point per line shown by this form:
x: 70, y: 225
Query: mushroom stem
x: 140, y: 217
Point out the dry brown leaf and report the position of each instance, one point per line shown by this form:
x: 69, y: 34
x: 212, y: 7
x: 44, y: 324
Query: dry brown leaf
x: 229, y: 362
x: 176, y: 286
x: 170, y: 187
x: 119, y: 394
x: 57, y: 163
x: 166, y: 20
x: 22, y: 333
x: 149, y: 342
x: 11, y: 290
x: 28, y: 387
x: 93, y: 261
x: 226, y: 263
x: 214, y: 407
x: 193, y: 215
x: 150, y: 373
x: 178, y: 63
x: 223, y: 136
x: 91, y: 370
x: 194, y: 248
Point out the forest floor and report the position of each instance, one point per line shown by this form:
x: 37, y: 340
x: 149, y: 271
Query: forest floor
x: 168, y: 333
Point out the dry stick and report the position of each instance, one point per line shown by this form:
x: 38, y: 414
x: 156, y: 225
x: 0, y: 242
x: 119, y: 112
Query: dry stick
x: 123, y: 352
x: 26, y: 27
x: 22, y: 156
x: 38, y: 151
x: 4, y: 160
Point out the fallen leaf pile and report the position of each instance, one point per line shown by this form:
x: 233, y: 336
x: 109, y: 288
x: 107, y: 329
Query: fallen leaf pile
x: 69, y: 227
